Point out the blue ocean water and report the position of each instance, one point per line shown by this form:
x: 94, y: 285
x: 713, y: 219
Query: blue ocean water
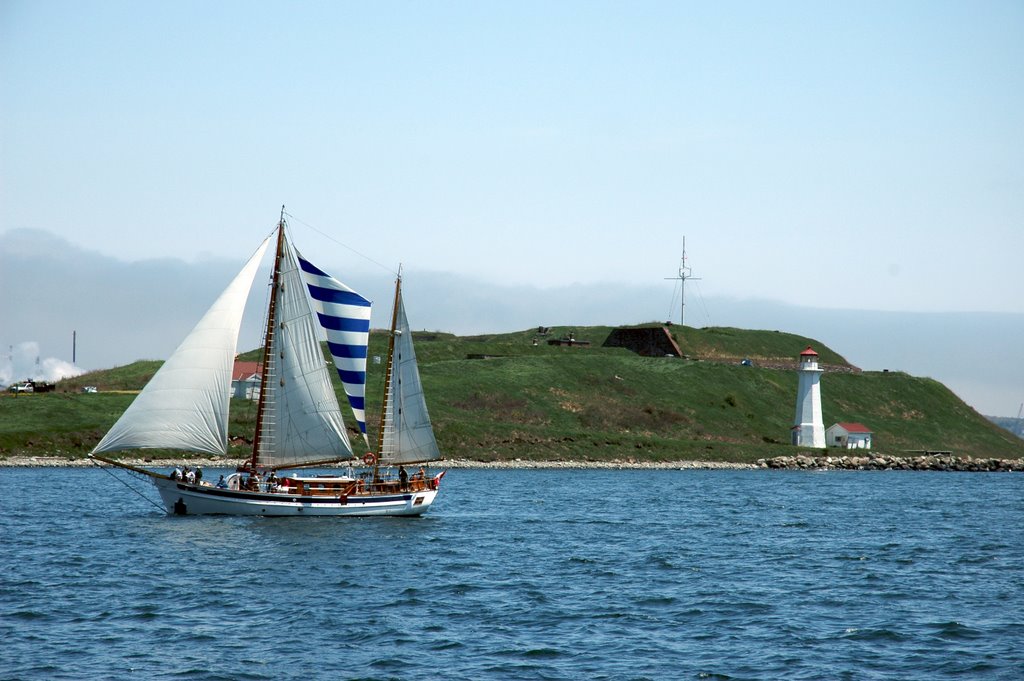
x: 526, y: 574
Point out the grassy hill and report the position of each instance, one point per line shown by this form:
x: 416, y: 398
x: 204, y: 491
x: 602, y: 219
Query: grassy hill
x: 508, y: 396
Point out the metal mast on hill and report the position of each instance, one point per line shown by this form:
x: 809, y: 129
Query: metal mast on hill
x: 685, y: 272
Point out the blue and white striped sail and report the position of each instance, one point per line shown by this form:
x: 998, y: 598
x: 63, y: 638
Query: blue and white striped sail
x: 345, y: 317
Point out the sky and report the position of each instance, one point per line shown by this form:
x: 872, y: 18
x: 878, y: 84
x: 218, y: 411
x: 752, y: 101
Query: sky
x: 531, y: 162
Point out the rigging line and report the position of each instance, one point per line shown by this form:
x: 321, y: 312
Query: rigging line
x: 111, y: 474
x: 343, y: 245
x: 703, y: 305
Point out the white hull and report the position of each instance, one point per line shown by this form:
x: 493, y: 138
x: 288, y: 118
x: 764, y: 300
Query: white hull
x: 183, y: 499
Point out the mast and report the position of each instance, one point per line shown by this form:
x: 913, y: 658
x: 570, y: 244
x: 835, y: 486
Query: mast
x: 685, y: 272
x: 387, y: 376
x: 268, y: 336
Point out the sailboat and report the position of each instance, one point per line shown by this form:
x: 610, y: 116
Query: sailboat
x: 299, y: 423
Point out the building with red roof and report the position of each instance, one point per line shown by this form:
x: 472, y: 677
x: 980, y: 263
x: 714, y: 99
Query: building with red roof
x: 245, y: 380
x: 848, y: 435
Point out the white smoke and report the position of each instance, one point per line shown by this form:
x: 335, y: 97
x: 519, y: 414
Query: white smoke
x: 23, y: 362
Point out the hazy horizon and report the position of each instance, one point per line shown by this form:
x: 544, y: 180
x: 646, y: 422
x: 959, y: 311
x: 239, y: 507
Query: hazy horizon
x: 125, y: 311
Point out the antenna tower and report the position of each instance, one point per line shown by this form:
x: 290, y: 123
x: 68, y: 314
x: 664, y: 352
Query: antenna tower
x: 685, y: 272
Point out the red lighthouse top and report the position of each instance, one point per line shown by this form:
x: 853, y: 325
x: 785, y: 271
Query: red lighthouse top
x: 809, y: 352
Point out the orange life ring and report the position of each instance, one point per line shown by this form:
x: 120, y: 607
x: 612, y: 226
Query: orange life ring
x: 369, y: 458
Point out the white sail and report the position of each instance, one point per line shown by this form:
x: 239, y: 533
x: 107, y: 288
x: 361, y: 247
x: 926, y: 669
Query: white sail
x: 185, y: 404
x: 302, y: 421
x: 408, y: 435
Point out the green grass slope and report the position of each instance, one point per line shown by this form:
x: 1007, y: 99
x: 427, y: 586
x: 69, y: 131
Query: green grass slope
x: 526, y: 399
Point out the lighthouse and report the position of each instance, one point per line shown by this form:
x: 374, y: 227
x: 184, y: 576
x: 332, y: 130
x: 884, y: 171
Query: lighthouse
x: 808, y: 428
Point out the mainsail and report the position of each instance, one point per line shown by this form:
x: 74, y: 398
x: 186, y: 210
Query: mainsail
x: 345, y: 316
x: 301, y: 421
x: 185, y: 405
x: 407, y: 433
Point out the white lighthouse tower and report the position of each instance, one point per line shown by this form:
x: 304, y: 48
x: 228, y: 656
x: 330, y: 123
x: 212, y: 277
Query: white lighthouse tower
x: 808, y: 426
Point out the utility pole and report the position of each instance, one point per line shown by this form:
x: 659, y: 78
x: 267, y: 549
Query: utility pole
x: 685, y: 272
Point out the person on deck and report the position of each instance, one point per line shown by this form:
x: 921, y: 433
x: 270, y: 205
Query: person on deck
x: 222, y: 484
x: 403, y: 477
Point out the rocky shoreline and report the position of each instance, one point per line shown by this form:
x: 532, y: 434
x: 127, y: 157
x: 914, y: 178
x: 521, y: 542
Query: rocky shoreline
x: 867, y: 461
x: 882, y: 462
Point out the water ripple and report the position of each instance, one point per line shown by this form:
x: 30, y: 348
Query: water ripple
x: 678, y: 574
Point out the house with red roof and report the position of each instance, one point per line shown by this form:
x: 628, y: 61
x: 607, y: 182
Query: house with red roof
x: 245, y: 380
x: 848, y: 436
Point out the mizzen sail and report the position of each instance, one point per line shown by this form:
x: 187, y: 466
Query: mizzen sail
x: 408, y: 435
